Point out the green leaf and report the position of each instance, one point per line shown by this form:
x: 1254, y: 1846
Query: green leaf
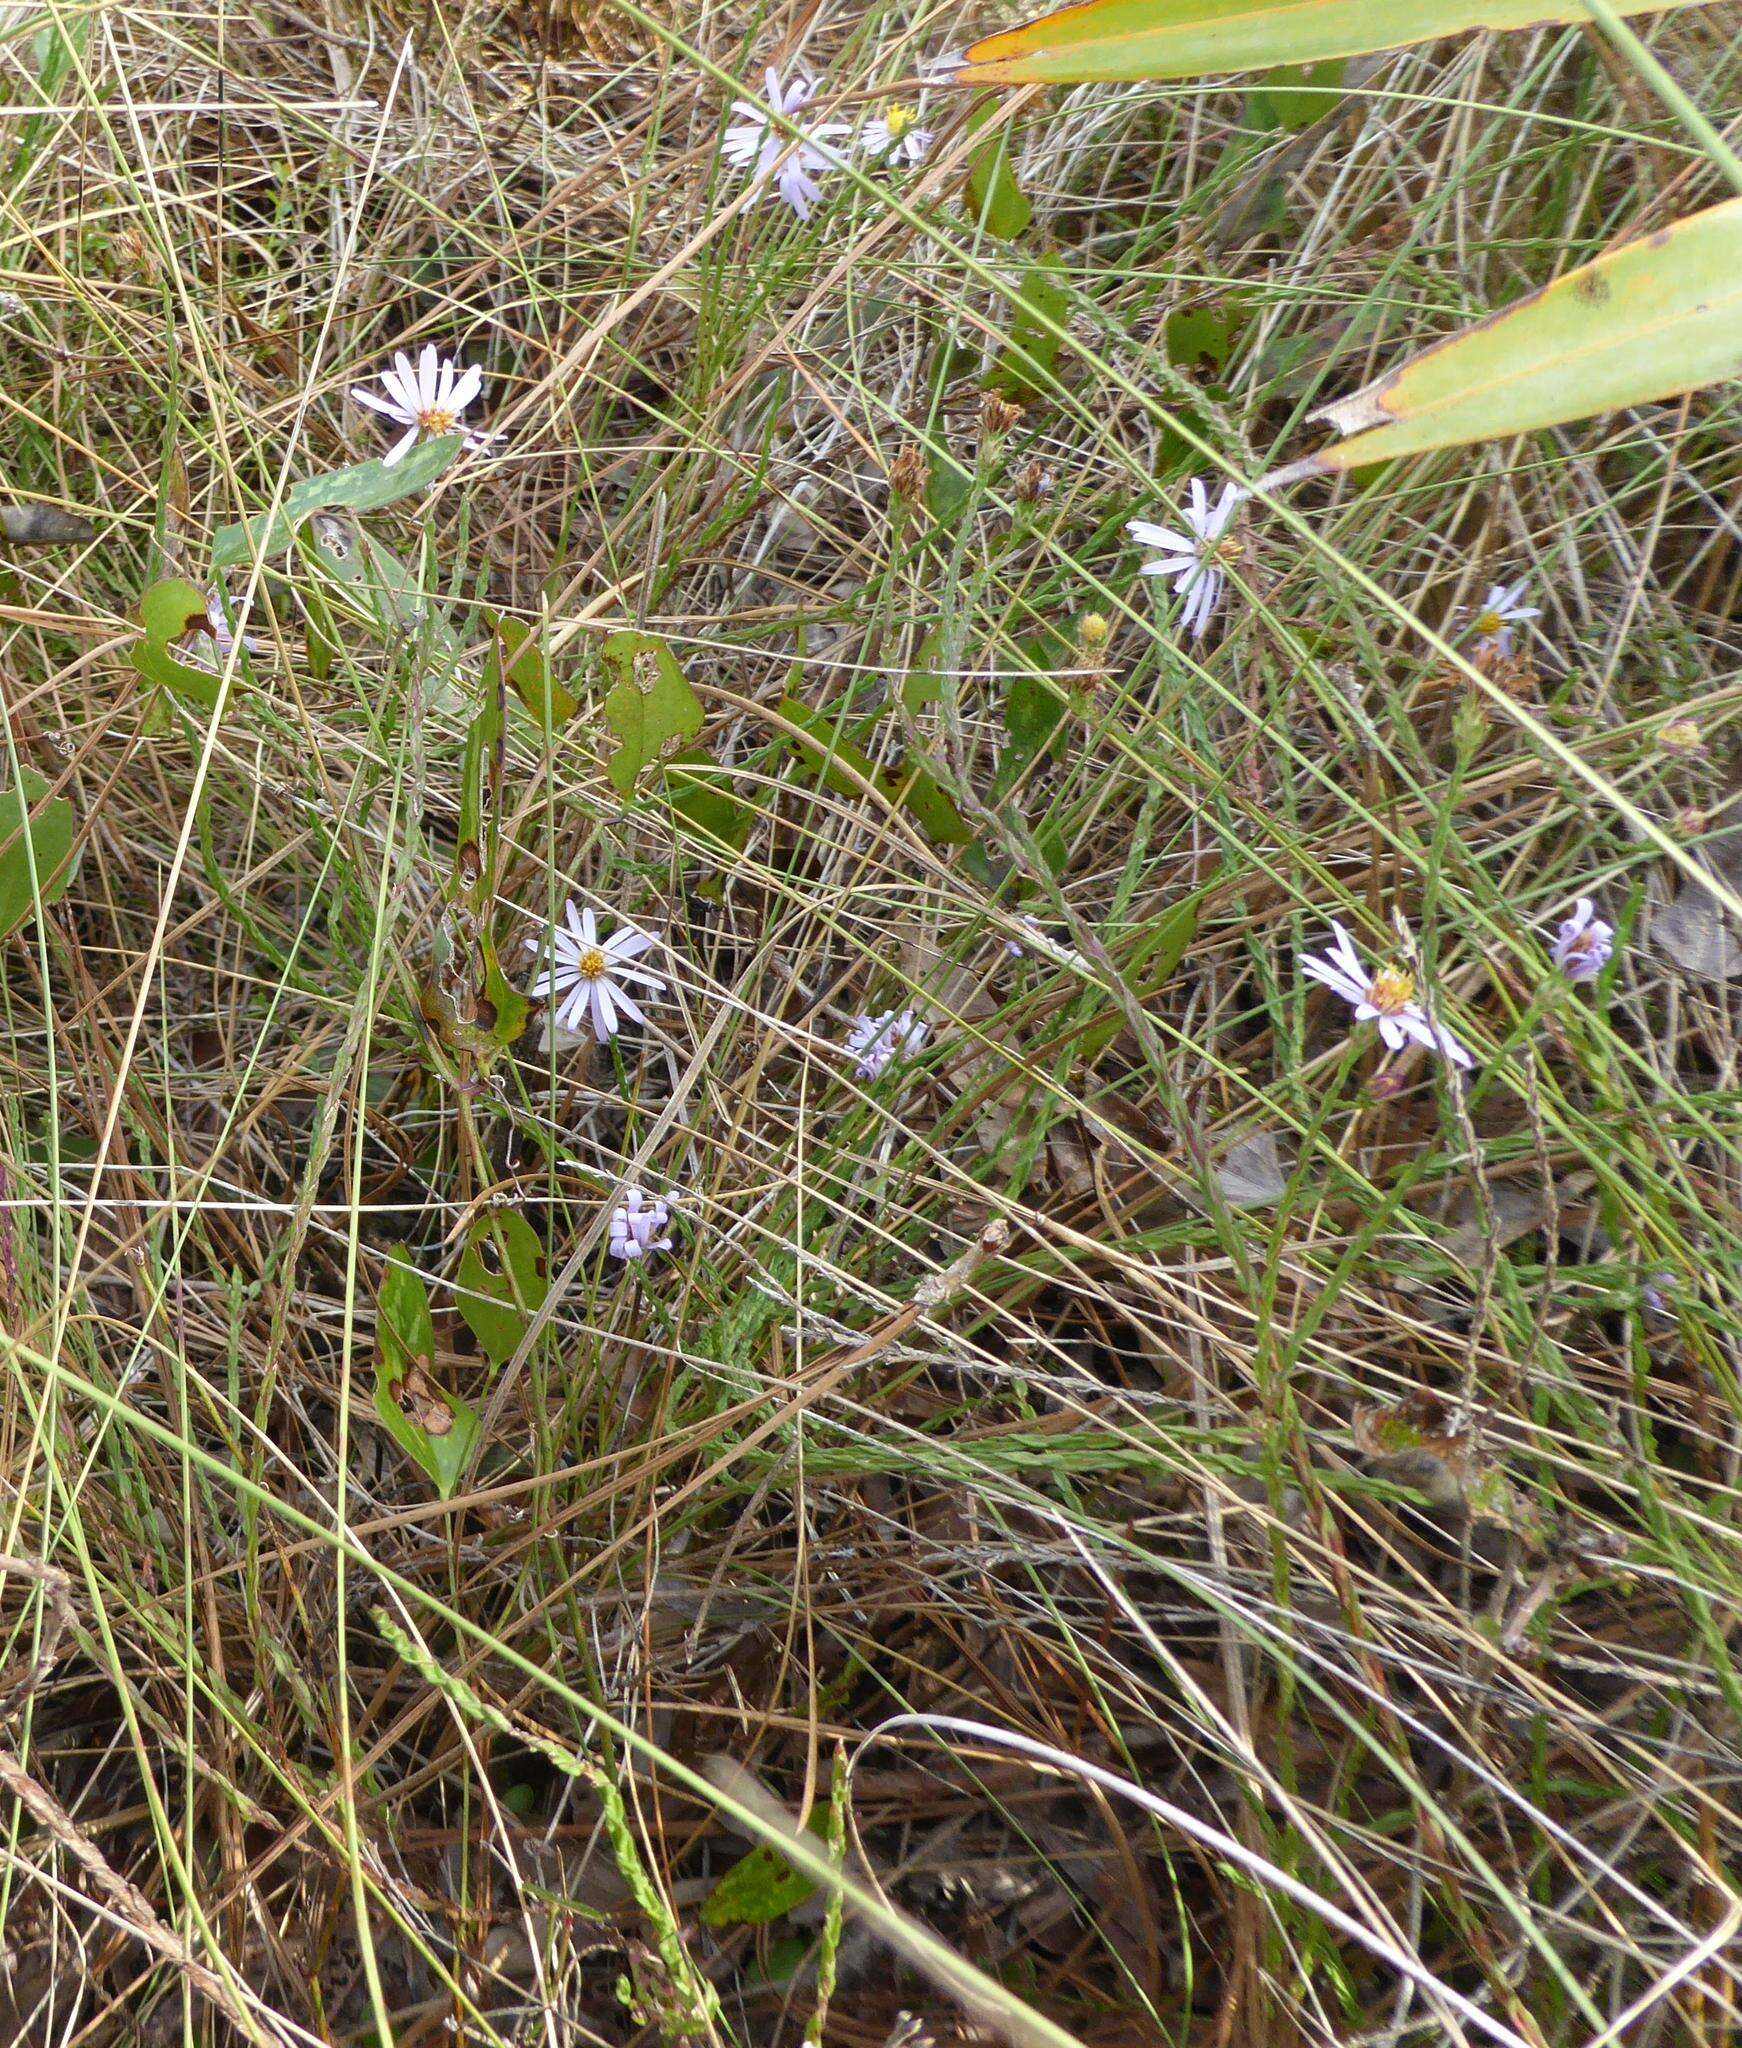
x: 1200, y: 337
x: 50, y: 831
x: 1152, y: 964
x: 516, y: 643
x: 994, y: 199
x: 1294, y: 96
x: 1650, y: 320
x: 1033, y: 712
x: 1107, y: 40
x: 364, y: 487
x: 826, y: 753
x: 1025, y: 367
x: 503, y: 1281
x: 651, y: 708
x: 435, y: 1427
x: 759, y: 1887
x: 170, y: 610
x: 696, y: 788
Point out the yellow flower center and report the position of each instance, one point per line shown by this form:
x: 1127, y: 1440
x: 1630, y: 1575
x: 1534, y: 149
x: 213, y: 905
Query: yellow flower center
x: 1488, y: 624
x: 591, y: 964
x: 899, y: 120
x: 1392, y: 991
x: 436, y: 419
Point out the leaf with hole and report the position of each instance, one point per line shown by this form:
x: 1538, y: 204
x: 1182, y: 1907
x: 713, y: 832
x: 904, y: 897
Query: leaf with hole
x: 1104, y: 41
x: 650, y: 707
x: 364, y: 487
x: 503, y: 1281
x: 432, y: 1426
x: 33, y: 832
x: 170, y: 610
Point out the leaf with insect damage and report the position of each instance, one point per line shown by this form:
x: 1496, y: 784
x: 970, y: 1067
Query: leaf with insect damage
x: 434, y: 1427
x: 650, y: 707
x: 503, y: 1280
x: 171, y: 610
x: 364, y: 487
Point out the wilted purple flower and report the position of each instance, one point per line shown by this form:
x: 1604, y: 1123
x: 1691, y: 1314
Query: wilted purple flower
x: 753, y: 143
x: 639, y: 1225
x: 1389, y: 997
x: 1499, y: 612
x: 877, y: 1040
x: 1583, y: 944
x: 219, y: 606
x: 584, y: 976
x: 1190, y: 557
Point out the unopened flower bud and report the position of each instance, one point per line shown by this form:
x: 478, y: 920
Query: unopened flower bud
x: 1093, y: 632
x: 1682, y: 736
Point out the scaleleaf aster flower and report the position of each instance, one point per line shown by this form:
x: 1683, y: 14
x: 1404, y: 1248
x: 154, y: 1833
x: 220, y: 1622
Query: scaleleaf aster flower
x: 1389, y: 997
x: 584, y: 978
x: 877, y: 1040
x: 219, y: 606
x: 639, y: 1225
x: 897, y: 136
x: 425, y: 397
x: 1190, y: 557
x: 1583, y: 944
x: 753, y: 143
x: 1498, y: 613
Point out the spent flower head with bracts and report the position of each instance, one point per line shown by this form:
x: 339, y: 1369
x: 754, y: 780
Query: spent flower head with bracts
x: 640, y: 1224
x: 584, y: 977
x: 425, y: 397
x: 1191, y: 558
x: 1498, y: 613
x: 878, y: 1040
x: 897, y: 136
x: 1389, y: 997
x: 1583, y: 944
x: 755, y: 144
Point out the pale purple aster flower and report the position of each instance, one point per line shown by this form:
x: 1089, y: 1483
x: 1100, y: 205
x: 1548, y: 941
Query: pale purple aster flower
x: 1583, y: 944
x: 1190, y: 558
x: 639, y: 1225
x: 219, y: 607
x: 877, y: 1040
x: 754, y: 143
x: 584, y: 978
x: 1499, y: 612
x: 425, y: 397
x: 896, y: 135
x: 1655, y: 1292
x: 1389, y: 997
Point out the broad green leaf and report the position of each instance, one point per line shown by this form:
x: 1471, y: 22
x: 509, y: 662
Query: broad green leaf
x: 1203, y: 335
x: 1294, y: 96
x: 1650, y: 320
x: 364, y: 487
x: 50, y: 830
x: 845, y: 768
x: 169, y: 611
x: 1033, y: 713
x: 515, y: 643
x: 1025, y: 367
x: 651, y: 708
x: 503, y: 1281
x: 758, y: 1888
x: 699, y: 793
x: 993, y: 197
x: 1106, y: 40
x: 435, y: 1427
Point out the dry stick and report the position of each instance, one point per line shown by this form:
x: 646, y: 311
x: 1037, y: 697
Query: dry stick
x: 128, y: 1901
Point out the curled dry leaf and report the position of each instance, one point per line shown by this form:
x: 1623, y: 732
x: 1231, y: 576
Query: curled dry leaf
x: 420, y: 1399
x: 1692, y: 931
x: 1251, y: 1172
